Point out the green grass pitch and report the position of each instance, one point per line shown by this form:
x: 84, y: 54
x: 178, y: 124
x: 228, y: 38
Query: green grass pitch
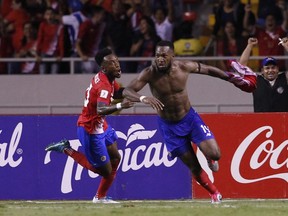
x: 243, y: 207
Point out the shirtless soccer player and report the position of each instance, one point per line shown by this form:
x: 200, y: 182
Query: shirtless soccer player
x: 178, y: 122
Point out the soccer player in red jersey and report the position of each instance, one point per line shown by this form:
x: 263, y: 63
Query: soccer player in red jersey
x: 97, y: 137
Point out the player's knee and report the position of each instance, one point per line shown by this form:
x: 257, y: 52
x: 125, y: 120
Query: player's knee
x: 115, y: 164
x: 115, y: 160
x: 106, y: 170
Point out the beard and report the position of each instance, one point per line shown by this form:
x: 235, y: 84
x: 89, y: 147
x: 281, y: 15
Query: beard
x: 163, y: 69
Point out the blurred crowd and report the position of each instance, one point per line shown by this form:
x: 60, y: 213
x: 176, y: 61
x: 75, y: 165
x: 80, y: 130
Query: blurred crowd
x: 56, y: 29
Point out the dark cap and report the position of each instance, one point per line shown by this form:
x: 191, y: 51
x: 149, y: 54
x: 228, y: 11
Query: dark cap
x: 269, y: 60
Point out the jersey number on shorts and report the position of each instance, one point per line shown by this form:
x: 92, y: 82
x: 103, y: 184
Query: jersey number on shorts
x: 206, y: 130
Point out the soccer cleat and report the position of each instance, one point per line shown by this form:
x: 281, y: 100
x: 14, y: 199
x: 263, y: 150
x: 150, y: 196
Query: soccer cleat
x: 104, y: 200
x: 59, y: 146
x: 216, y: 198
x: 241, y: 69
x: 213, y: 165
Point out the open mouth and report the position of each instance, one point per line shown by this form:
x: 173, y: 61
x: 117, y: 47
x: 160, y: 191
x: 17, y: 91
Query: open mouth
x: 270, y: 25
x: 118, y: 71
x: 271, y: 76
x: 161, y: 64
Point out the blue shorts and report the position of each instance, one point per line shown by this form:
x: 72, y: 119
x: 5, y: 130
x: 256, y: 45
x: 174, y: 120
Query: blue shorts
x: 95, y: 145
x: 179, y: 135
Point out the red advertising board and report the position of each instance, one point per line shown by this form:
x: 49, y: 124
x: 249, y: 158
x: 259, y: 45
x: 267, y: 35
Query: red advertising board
x: 254, y: 162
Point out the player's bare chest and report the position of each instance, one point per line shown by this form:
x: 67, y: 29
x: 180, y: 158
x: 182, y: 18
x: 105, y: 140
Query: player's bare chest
x: 170, y: 82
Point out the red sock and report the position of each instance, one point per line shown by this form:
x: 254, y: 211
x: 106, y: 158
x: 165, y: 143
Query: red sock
x: 106, y: 182
x: 81, y: 159
x: 205, y: 182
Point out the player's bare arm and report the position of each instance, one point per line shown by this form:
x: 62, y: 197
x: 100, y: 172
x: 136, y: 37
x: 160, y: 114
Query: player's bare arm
x: 130, y: 92
x: 104, y: 109
x: 245, y: 79
x: 199, y: 68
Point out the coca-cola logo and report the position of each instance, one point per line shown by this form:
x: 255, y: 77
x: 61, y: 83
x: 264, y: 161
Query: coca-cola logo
x: 257, y: 160
x: 10, y: 154
x: 154, y: 154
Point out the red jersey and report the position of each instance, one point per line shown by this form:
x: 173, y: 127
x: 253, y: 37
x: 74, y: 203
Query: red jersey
x: 90, y: 35
x: 18, y: 18
x: 100, y: 90
x: 6, y: 7
x: 50, y: 39
x: 30, y: 46
x: 268, y: 43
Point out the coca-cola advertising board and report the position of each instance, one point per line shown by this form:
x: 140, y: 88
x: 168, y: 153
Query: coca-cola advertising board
x: 254, y: 161
x: 254, y: 149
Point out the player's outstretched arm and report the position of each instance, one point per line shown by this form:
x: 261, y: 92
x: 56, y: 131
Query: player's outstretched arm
x: 244, y: 78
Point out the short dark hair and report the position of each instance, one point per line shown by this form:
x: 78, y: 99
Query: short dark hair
x: 99, y: 57
x: 166, y: 43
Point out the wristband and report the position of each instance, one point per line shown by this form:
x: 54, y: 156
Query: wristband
x: 142, y: 98
x: 118, y: 106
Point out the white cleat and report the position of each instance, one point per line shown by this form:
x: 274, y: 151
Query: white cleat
x: 216, y: 198
x: 104, y: 200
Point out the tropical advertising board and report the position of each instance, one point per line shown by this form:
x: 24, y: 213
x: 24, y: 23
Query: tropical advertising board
x: 254, y: 162
x: 29, y: 172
